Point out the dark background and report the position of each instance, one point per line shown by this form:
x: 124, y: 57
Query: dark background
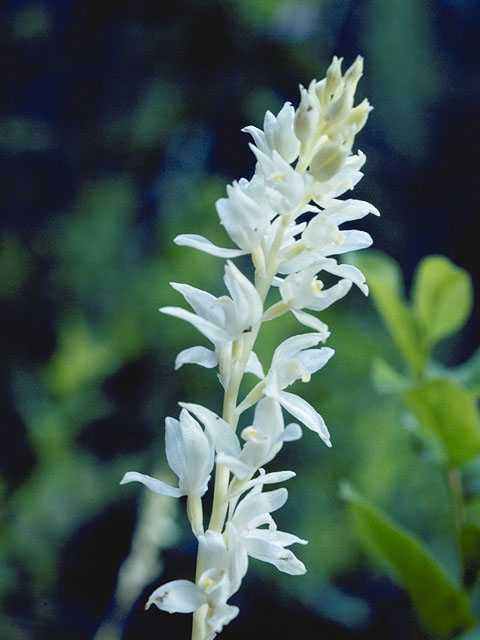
x: 119, y: 128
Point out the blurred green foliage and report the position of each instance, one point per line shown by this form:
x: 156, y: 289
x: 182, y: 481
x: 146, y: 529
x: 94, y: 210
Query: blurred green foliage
x: 447, y: 418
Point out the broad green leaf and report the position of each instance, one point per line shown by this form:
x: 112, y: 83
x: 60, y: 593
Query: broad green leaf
x: 440, y: 604
x: 450, y: 412
x: 442, y: 296
x: 386, y: 285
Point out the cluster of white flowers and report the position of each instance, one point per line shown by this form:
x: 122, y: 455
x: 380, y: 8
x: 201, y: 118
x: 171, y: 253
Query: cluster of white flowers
x: 304, y: 163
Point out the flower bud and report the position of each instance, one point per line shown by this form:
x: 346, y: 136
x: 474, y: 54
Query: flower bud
x: 354, y: 73
x: 358, y: 116
x: 327, y: 162
x: 307, y: 115
x: 334, y: 76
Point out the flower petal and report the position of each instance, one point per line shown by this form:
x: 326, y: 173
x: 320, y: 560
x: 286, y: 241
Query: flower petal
x: 222, y: 616
x: 222, y: 435
x: 312, y: 322
x: 254, y: 366
x: 152, y: 483
x: 277, y: 555
x: 189, y: 453
x: 291, y: 347
x: 203, y: 244
x: 293, y: 431
x: 303, y: 411
x: 256, y: 506
x: 211, y: 331
x: 178, y: 596
x: 197, y: 355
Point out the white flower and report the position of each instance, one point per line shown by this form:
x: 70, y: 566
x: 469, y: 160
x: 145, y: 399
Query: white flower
x: 225, y: 567
x: 287, y: 190
x: 190, y: 455
x: 295, y: 360
x: 262, y: 441
x: 268, y: 544
x: 245, y: 221
x: 303, y: 291
x: 221, y: 320
x: 278, y: 134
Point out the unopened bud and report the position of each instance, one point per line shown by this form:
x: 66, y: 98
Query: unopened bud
x: 359, y: 115
x: 339, y: 109
x: 307, y: 115
x: 327, y: 162
x: 334, y: 76
x: 354, y: 73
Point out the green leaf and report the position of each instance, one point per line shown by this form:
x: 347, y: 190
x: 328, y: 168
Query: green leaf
x: 442, y: 296
x: 440, y: 604
x: 386, y: 285
x: 450, y: 412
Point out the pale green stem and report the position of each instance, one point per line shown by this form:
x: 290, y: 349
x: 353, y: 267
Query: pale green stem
x: 195, y: 514
x: 198, y: 623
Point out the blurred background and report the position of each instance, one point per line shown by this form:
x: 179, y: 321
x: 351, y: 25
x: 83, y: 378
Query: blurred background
x: 119, y: 128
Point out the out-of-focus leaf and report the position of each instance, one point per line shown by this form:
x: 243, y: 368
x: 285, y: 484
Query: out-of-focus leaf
x: 387, y: 379
x: 442, y: 296
x: 451, y: 413
x: 80, y: 359
x: 470, y: 537
x: 440, y: 604
x: 468, y: 373
x: 386, y: 284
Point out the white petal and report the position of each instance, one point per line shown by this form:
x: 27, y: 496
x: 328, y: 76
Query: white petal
x: 197, y: 355
x: 256, y: 506
x: 351, y: 241
x: 347, y: 271
x: 223, y: 436
x: 152, y: 483
x: 189, y: 453
x: 248, y: 307
x: 312, y: 322
x: 237, y: 557
x: 178, y: 596
x: 222, y: 616
x: 293, y: 431
x: 303, y: 411
x: 258, y: 137
x: 266, y: 478
x: 211, y: 331
x: 330, y: 295
x: 315, y: 359
x: 202, y: 244
x: 236, y: 466
x: 213, y: 550
x: 281, y: 538
x: 254, y: 366
x: 202, y: 302
x: 281, y: 558
x: 290, y: 347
